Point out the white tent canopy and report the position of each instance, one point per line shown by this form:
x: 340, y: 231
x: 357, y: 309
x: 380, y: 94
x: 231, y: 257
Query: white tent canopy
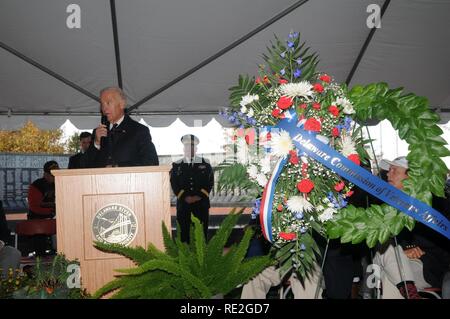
x: 179, y: 58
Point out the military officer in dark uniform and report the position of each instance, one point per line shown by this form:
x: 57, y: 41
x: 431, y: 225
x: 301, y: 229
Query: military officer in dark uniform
x: 192, y: 179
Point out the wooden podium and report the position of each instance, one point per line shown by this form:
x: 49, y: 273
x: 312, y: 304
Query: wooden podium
x: 120, y: 205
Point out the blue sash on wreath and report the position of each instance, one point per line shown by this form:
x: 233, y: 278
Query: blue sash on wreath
x: 306, y: 142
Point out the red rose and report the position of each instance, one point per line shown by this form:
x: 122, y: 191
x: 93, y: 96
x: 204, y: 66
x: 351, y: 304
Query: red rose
x: 279, y: 207
x: 339, y: 186
x: 318, y: 88
x: 349, y: 193
x: 288, y: 236
x: 325, y: 78
x: 305, y: 185
x: 276, y: 112
x: 284, y: 102
x: 293, y: 157
x: 316, y: 106
x: 333, y: 109
x: 250, y: 138
x: 354, y: 158
x: 335, y: 132
x: 312, y: 124
x: 303, y: 106
x: 282, y: 81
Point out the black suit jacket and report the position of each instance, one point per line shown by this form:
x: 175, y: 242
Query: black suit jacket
x: 78, y: 160
x: 130, y: 144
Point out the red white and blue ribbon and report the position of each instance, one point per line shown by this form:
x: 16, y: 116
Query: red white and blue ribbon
x: 265, y: 213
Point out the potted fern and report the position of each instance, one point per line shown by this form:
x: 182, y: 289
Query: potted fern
x: 185, y: 271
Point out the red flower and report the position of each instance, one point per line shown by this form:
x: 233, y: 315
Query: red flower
x: 312, y: 124
x: 282, y: 81
x: 316, y: 106
x: 269, y: 136
x: 288, y: 236
x: 349, y: 193
x: 250, y: 138
x: 325, y: 78
x: 266, y: 79
x: 303, y: 106
x: 279, y: 207
x: 284, y: 102
x: 354, y: 158
x: 318, y: 88
x: 258, y: 80
x: 276, y: 112
x: 333, y: 109
x: 335, y: 132
x: 305, y: 185
x: 293, y: 157
x: 339, y: 186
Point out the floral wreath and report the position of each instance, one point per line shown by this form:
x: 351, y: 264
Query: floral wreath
x: 307, y: 194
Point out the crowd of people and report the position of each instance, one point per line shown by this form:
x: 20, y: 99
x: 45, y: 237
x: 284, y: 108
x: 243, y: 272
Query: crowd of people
x: 409, y: 263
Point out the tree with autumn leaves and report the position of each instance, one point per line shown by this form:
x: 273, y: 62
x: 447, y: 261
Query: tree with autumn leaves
x: 31, y: 139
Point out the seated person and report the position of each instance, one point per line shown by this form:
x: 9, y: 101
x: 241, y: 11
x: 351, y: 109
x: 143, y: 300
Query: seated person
x: 9, y: 256
x: 41, y: 194
x: 423, y: 243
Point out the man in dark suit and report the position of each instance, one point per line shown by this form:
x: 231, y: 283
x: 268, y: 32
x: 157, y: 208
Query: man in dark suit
x: 125, y: 142
x: 191, y: 179
x: 79, y: 160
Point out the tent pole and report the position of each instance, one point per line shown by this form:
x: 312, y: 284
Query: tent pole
x: 365, y: 45
x: 48, y: 71
x: 219, y: 54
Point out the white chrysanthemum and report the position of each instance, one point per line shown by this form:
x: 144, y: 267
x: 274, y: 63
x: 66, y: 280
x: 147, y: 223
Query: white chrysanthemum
x: 302, y: 89
x: 299, y: 204
x: 252, y: 171
x: 250, y: 113
x: 247, y: 99
x: 327, y: 214
x: 265, y: 165
x: 261, y: 179
x: 348, y: 146
x: 346, y: 104
x: 243, y: 109
x: 281, y: 144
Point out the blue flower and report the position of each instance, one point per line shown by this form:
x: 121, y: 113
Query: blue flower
x: 293, y: 35
x: 231, y: 118
x: 290, y: 44
x: 297, y: 73
x: 241, y: 114
x: 303, y: 229
x: 282, y: 72
x: 347, y: 123
x: 302, y: 247
x: 283, y: 55
x: 237, y: 122
x: 252, y: 121
x: 299, y: 61
x: 299, y: 215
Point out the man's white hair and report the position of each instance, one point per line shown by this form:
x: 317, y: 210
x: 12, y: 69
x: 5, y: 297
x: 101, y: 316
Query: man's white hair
x: 115, y: 89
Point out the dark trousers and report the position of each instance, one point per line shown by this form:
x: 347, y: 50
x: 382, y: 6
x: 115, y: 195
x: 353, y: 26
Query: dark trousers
x: 339, y: 268
x: 184, y: 213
